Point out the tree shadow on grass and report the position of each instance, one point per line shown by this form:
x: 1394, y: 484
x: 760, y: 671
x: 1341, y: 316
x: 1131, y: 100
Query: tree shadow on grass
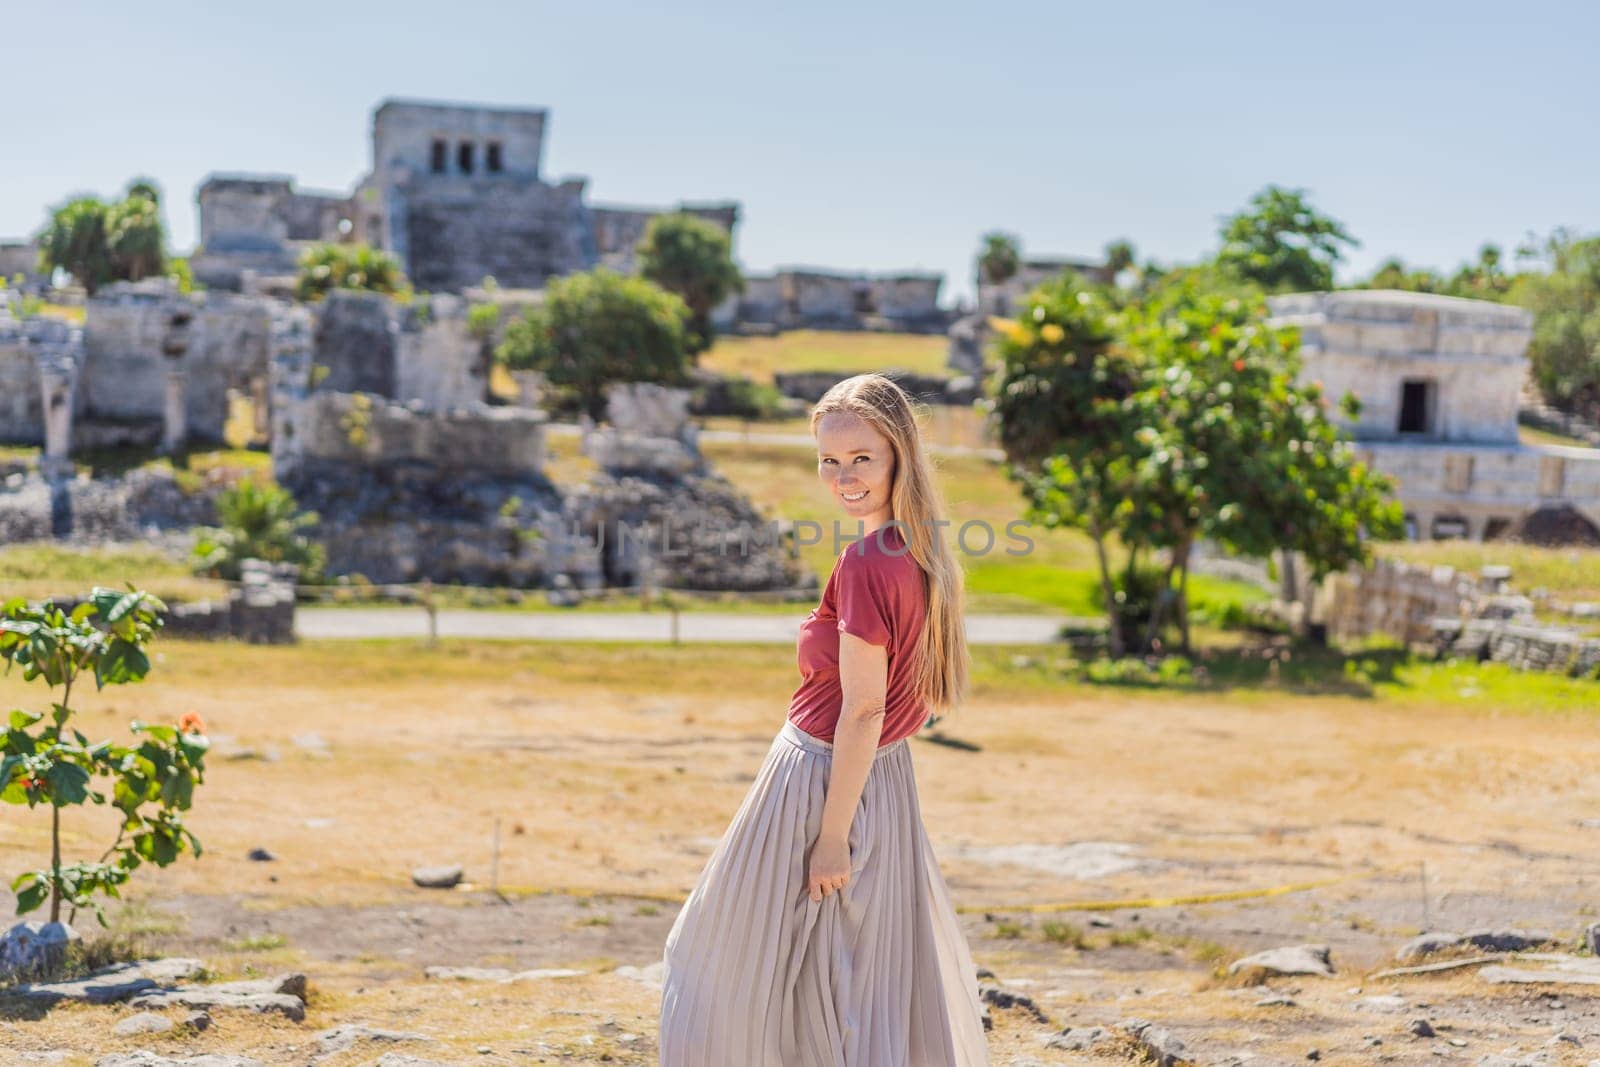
x: 1276, y: 666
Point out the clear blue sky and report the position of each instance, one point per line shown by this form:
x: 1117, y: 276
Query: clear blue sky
x: 860, y: 135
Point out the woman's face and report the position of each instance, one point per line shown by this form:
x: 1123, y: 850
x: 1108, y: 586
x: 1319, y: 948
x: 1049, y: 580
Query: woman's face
x: 856, y: 465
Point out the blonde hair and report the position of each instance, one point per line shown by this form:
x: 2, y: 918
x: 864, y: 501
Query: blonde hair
x: 943, y: 665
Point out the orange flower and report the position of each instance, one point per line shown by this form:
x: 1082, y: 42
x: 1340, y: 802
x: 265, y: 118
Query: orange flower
x: 1238, y: 364
x: 191, y: 723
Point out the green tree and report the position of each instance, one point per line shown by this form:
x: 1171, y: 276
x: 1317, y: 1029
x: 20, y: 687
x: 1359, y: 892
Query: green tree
x: 47, y: 760
x: 260, y: 520
x: 1120, y: 256
x: 1176, y: 418
x: 1565, y: 301
x: 999, y: 258
x: 134, y: 238
x: 692, y: 257
x: 326, y: 267
x: 1281, y: 243
x: 598, y: 327
x: 99, y: 243
x: 75, y: 241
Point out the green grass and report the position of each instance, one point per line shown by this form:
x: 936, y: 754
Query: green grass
x: 1530, y: 435
x: 1569, y: 573
x: 1379, y: 672
x: 43, y: 569
x: 823, y: 350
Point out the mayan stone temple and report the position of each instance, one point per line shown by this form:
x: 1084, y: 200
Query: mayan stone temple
x: 1439, y: 380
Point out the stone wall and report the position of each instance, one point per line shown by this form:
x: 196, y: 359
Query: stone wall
x: 1478, y: 491
x: 1470, y: 353
x: 907, y: 299
x: 618, y: 230
x: 368, y: 343
x: 404, y: 133
x: 452, y: 235
x: 363, y: 430
x: 1454, y: 613
x: 125, y: 372
x: 1005, y: 298
x: 40, y: 365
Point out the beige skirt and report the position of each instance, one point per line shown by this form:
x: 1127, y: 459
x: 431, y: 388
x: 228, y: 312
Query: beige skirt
x: 876, y: 975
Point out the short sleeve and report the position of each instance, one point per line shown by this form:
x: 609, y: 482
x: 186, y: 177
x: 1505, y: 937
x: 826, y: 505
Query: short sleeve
x: 864, y: 598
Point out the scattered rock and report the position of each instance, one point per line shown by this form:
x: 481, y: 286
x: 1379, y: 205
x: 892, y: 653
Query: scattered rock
x: 1004, y: 998
x: 543, y: 973
x: 1591, y: 937
x: 1077, y: 1038
x: 197, y: 1021
x: 400, y: 1059
x: 467, y: 974
x: 1384, y: 1002
x: 146, y: 1022
x: 1292, y: 959
x: 260, y: 855
x: 1422, y: 1028
x: 291, y: 985
x: 115, y: 983
x: 1161, y: 1046
x: 343, y: 1038
x: 208, y: 998
x: 30, y: 945
x: 1279, y: 1001
x: 653, y: 975
x: 1488, y: 940
x: 437, y: 877
x: 1569, y: 970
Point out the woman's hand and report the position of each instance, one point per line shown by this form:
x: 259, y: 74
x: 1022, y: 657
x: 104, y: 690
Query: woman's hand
x: 827, y: 866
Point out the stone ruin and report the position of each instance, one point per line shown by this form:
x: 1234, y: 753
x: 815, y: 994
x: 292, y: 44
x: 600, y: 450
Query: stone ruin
x: 791, y: 299
x: 456, y: 193
x: 1439, y: 380
x: 1453, y: 614
x: 377, y: 419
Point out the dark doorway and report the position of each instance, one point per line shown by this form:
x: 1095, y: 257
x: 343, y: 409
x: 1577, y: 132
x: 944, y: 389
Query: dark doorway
x: 1416, y: 407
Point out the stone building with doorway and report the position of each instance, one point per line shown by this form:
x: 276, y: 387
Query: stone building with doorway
x: 456, y: 192
x: 1438, y: 379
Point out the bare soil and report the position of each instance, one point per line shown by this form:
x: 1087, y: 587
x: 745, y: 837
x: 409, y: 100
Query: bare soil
x: 612, y: 771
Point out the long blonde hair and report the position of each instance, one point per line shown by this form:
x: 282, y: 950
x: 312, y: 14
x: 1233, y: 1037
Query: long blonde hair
x: 943, y: 665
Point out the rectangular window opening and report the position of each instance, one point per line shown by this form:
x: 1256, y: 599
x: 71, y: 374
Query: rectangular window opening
x: 441, y: 154
x: 464, y: 157
x: 1416, y: 407
x: 492, y: 158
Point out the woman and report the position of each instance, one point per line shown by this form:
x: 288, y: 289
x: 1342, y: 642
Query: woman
x: 821, y: 933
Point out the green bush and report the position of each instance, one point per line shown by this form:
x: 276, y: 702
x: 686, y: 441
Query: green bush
x: 327, y: 267
x: 259, y: 521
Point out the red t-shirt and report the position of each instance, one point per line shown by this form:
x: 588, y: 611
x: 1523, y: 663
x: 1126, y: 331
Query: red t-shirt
x: 877, y: 591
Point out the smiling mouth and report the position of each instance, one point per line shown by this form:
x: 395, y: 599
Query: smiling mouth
x: 849, y: 499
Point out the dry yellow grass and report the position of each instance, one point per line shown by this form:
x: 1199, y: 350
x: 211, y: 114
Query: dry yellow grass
x: 612, y: 768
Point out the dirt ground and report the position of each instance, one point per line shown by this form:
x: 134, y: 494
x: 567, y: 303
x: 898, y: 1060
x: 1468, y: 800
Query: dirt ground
x: 1346, y: 821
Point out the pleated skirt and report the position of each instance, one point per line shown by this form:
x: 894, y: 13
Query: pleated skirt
x: 875, y: 975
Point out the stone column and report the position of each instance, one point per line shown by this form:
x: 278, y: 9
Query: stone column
x: 58, y: 384
x: 175, y: 426
x: 174, y: 346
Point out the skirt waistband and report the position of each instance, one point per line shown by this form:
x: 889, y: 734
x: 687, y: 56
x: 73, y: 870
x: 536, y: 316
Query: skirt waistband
x: 802, y: 740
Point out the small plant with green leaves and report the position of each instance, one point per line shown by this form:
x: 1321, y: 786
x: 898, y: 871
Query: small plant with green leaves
x: 259, y: 521
x: 47, y: 761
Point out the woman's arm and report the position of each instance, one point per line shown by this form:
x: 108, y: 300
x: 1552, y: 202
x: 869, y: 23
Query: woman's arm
x: 864, y: 678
